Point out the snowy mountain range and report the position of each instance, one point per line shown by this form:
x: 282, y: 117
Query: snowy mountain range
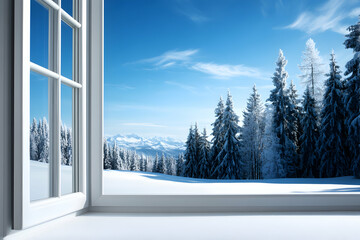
x: 148, y: 146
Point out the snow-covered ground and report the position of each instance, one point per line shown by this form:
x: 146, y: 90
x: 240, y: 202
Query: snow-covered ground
x: 39, y: 180
x: 127, y: 182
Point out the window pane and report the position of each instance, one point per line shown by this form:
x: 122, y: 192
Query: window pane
x: 39, y: 34
x: 66, y: 140
x: 39, y: 138
x: 67, y: 5
x: 66, y: 50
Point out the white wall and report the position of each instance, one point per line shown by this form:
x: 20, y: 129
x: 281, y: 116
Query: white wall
x: 6, y: 113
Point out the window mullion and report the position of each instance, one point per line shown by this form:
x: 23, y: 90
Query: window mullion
x: 55, y: 104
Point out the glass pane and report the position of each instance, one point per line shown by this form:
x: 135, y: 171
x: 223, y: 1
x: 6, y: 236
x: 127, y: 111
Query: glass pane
x: 39, y: 138
x: 66, y: 141
x: 67, y: 5
x: 66, y: 50
x: 39, y: 34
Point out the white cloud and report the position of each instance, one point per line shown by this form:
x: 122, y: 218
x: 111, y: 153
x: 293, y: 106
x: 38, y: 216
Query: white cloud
x: 170, y: 58
x: 328, y: 17
x: 188, y: 9
x: 227, y: 71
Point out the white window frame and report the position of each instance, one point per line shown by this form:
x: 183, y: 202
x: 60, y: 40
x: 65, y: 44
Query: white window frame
x: 27, y: 213
x: 180, y: 203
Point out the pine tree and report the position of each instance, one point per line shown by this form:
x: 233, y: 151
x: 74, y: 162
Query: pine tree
x: 308, y: 157
x: 68, y: 148
x: 162, y: 164
x: 190, y: 165
x: 230, y: 165
x: 44, y: 141
x: 281, y: 103
x: 295, y: 129
x: 155, y: 167
x: 106, y: 156
x: 331, y: 148
x: 34, y: 140
x: 204, y: 156
x: 272, y: 165
x: 218, y: 137
x: 352, y: 98
x: 115, y: 158
x: 180, y: 165
x: 251, y: 136
x: 146, y: 164
x: 312, y: 70
x: 169, y: 165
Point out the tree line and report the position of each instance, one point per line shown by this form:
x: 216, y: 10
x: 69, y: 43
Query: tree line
x: 316, y: 136
x: 39, y: 142
x: 117, y: 158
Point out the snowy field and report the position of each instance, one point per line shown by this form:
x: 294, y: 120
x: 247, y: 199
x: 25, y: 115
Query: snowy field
x: 39, y: 180
x: 127, y: 182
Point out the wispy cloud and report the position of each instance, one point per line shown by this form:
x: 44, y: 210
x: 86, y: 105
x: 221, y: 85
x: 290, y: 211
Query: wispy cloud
x: 170, y: 58
x: 183, y: 86
x: 328, y: 17
x: 225, y: 71
x: 188, y: 9
x: 143, y: 124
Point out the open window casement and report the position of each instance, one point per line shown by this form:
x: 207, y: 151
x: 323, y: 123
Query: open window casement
x: 54, y: 202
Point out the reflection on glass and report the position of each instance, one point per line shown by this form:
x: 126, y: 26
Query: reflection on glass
x: 66, y: 141
x: 39, y: 34
x: 39, y: 138
x: 66, y: 50
x: 67, y: 5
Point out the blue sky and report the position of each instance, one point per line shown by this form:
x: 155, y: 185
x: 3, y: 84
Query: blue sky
x: 167, y: 62
x: 39, y: 34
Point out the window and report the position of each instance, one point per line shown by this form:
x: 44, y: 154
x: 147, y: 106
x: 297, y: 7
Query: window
x: 50, y: 110
x: 158, y: 39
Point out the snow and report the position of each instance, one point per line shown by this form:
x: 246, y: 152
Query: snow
x: 39, y: 180
x: 128, y: 183
x: 132, y: 183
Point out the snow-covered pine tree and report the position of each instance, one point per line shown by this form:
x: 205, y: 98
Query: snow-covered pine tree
x: 252, y: 136
x: 63, y: 143
x: 204, y: 156
x: 68, y: 149
x: 309, y: 138
x: 134, y: 161
x: 44, y: 141
x: 313, y: 73
x: 272, y: 165
x: 190, y: 165
x: 162, y: 164
x: 115, y: 160
x: 146, y: 164
x: 34, y: 140
x: 332, y: 138
x: 106, y: 156
x: 281, y: 103
x: 229, y: 158
x: 169, y: 165
x: 179, y: 165
x: 352, y: 97
x: 218, y: 137
x: 295, y: 128
x: 155, y: 166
